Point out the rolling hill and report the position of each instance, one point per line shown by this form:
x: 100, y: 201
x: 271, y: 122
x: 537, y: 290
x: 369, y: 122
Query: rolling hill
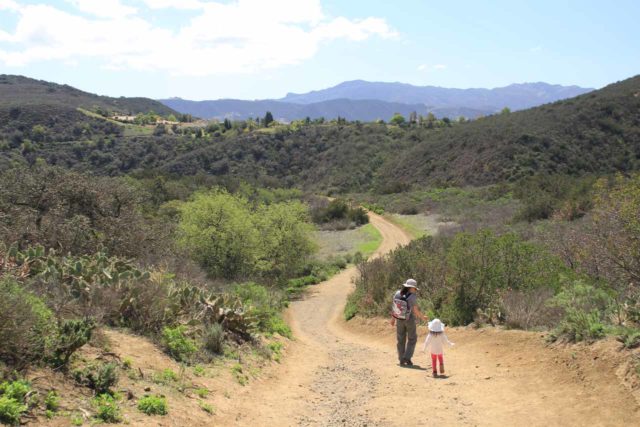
x: 598, y: 132
x: 19, y: 91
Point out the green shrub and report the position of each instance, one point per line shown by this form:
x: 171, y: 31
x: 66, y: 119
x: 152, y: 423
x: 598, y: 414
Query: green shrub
x: 198, y: 370
x: 209, y: 409
x: 202, y: 392
x: 11, y: 410
x: 239, y: 374
x: 27, y: 326
x: 99, y: 377
x: 351, y: 308
x: 72, y: 334
x: 107, y: 409
x: 153, y: 405
x: 166, y: 376
x: 580, y: 326
x: 52, y: 401
x: 630, y: 337
x: 15, y: 389
x: 213, y: 338
x: 177, y: 344
x: 275, y: 350
x: 585, y: 309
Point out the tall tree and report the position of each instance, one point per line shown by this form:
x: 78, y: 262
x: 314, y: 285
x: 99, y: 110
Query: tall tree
x: 268, y: 118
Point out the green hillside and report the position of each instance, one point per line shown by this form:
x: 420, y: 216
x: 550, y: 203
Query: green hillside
x: 594, y: 133
x: 598, y: 132
x: 19, y: 90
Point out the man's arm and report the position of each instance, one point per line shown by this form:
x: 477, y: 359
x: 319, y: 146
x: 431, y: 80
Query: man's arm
x: 418, y: 313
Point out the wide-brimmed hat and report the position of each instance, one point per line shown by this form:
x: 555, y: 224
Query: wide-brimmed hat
x: 436, y: 326
x: 410, y: 283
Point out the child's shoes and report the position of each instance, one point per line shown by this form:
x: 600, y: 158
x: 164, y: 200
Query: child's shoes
x: 441, y: 369
x: 435, y: 374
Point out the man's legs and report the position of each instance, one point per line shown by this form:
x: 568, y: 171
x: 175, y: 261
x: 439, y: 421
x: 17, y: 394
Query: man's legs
x: 401, y: 337
x: 412, y: 340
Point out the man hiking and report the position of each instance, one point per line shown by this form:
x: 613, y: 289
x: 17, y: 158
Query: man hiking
x: 403, y: 316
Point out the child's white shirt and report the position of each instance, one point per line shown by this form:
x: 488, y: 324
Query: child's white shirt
x: 437, y: 343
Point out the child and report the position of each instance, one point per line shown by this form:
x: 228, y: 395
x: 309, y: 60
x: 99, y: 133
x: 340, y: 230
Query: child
x: 436, y: 339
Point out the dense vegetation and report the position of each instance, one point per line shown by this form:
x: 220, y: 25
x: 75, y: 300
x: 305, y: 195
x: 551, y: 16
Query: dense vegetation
x: 575, y: 274
x: 594, y: 133
x: 198, y: 269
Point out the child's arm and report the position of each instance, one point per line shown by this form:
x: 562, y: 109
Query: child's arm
x: 447, y: 339
x: 426, y: 343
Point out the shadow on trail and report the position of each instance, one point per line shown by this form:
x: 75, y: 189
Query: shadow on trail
x: 414, y: 367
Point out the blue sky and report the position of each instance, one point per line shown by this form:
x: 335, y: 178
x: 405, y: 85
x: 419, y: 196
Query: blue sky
x: 250, y: 49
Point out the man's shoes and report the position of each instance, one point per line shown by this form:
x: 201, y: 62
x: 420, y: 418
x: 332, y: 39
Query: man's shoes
x: 408, y: 362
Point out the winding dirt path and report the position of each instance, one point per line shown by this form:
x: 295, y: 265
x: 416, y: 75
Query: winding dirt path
x: 339, y: 374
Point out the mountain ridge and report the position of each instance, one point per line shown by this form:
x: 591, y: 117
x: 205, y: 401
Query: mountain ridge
x: 368, y: 101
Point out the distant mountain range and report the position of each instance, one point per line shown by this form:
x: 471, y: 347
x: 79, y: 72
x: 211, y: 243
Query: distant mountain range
x: 367, y: 101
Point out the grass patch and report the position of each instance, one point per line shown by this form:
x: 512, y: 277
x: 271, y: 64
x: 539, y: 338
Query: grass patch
x: 153, y: 405
x: 239, y: 375
x: 416, y: 225
x: 372, y: 242
x: 107, y: 409
x: 209, y: 409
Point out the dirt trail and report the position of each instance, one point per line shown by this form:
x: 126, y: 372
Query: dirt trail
x: 338, y: 374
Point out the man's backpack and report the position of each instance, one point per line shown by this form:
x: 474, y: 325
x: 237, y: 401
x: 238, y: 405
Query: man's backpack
x: 400, y: 306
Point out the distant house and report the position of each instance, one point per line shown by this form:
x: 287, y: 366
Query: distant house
x: 124, y: 118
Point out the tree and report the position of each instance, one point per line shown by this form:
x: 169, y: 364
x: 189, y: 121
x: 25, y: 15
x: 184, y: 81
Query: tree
x: 505, y: 110
x: 397, y: 119
x: 227, y: 124
x: 268, y: 118
x: 285, y: 238
x: 217, y: 229
x: 413, y: 117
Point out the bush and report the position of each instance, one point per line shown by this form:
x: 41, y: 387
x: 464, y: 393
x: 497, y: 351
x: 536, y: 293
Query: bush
x: 630, y: 337
x: 17, y: 390
x: 529, y: 309
x: 213, y: 338
x: 100, y: 377
x: 585, y: 309
x: 27, y: 326
x: 72, y: 334
x: 153, y: 405
x: 580, y: 326
x: 52, y: 401
x: 11, y: 410
x: 177, y: 344
x: 107, y: 409
x: 351, y: 308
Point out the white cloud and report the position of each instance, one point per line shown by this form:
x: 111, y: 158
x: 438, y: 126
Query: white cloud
x: 535, y: 49
x: 435, y: 67
x: 9, y: 5
x: 238, y: 37
x: 174, y: 4
x: 103, y: 8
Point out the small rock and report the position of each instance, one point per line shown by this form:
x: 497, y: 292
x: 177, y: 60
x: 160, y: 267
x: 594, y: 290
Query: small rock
x: 487, y: 378
x: 147, y: 389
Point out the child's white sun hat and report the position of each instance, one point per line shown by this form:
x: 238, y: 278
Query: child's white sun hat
x: 436, y: 326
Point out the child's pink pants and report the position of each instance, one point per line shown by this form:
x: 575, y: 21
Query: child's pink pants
x: 434, y: 359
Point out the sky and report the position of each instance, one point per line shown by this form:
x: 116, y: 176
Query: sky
x: 256, y: 49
